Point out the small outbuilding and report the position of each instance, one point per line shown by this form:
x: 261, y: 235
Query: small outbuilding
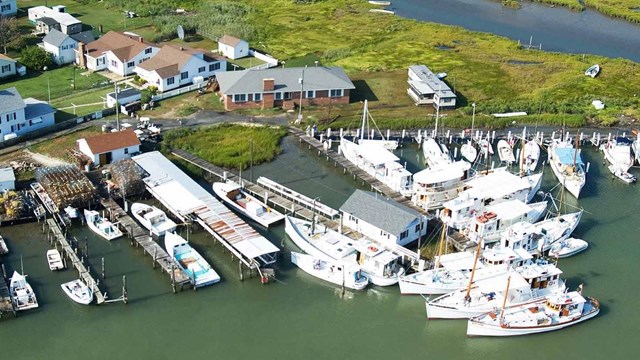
x: 382, y: 219
x: 108, y: 148
x: 7, y: 179
x: 124, y: 97
x: 232, y: 47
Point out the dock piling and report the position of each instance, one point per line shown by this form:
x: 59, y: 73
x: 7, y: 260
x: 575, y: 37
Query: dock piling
x: 124, y: 289
x: 103, y: 270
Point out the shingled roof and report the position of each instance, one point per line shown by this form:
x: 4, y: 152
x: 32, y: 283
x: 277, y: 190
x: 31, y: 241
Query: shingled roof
x: 103, y: 143
x: 379, y: 211
x: 123, y: 46
x: 229, y: 40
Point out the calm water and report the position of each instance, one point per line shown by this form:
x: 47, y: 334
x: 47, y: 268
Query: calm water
x: 302, y: 318
x: 558, y: 29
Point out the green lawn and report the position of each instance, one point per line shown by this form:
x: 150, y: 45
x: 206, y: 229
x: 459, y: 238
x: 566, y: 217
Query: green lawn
x: 58, y: 147
x: 247, y: 62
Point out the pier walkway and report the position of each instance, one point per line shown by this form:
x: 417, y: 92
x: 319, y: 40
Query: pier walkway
x: 6, y: 305
x: 69, y: 253
x: 140, y: 237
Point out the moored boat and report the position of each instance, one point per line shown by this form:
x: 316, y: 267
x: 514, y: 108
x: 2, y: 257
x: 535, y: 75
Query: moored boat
x: 3, y: 246
x: 505, y: 152
x: 54, y: 260
x: 469, y: 152
x: 347, y: 275
x: 567, y: 166
x: 618, y: 153
x: 191, y: 262
x: 101, y: 226
x: 21, y: 293
x: 239, y: 199
x: 71, y: 212
x: 568, y: 247
x: 553, y: 312
x: 531, y: 154
x: 434, y: 154
x: 78, y: 291
x: 152, y: 218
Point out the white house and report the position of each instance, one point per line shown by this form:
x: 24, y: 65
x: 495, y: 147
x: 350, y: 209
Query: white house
x: 19, y: 116
x: 7, y: 66
x: 426, y: 88
x: 7, y: 179
x: 55, y: 17
x: 175, y: 66
x: 8, y: 7
x: 117, y: 52
x: 232, y: 47
x: 110, y: 147
x: 382, y: 219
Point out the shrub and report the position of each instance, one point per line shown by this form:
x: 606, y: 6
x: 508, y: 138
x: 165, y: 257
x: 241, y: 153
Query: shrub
x: 35, y: 58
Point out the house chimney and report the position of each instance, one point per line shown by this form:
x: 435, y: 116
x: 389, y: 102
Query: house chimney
x: 81, y: 60
x: 268, y: 84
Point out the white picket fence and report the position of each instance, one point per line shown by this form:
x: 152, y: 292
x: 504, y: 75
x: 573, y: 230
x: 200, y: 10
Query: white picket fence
x: 178, y: 91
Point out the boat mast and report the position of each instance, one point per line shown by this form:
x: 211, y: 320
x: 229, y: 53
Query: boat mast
x: 437, y: 112
x: 364, y: 119
x: 444, y: 231
x: 575, y: 153
x: 504, y: 301
x: 524, y: 134
x: 467, y: 297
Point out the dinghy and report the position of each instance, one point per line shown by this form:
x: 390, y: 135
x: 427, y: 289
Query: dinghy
x: 568, y: 247
x: 54, y: 260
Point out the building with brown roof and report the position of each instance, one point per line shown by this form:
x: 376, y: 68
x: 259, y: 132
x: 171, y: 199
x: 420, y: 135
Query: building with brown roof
x: 176, y: 66
x: 110, y: 147
x: 232, y: 47
x: 117, y: 52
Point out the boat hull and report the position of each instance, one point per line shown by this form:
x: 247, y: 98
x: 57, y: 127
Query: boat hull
x: 329, y: 271
x: 222, y: 190
x: 92, y: 218
x: 77, y: 291
x: 157, y: 230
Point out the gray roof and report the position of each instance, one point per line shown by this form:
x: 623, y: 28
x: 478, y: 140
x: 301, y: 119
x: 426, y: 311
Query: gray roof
x: 10, y: 100
x: 6, y: 174
x: 55, y: 37
x: 47, y: 20
x: 85, y: 36
x: 379, y: 211
x: 125, y: 93
x: 36, y: 108
x: 286, y: 79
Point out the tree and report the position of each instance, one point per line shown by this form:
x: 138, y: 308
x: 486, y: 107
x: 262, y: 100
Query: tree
x: 35, y: 57
x: 9, y: 34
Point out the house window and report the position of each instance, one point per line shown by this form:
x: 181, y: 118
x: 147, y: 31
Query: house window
x: 353, y: 219
x: 114, y: 63
x: 239, y: 97
x: 202, y: 69
x: 257, y: 97
x: 404, y: 234
x: 126, y: 150
x: 335, y: 93
x: 170, y: 81
x: 147, y: 50
x: 184, y: 75
x: 214, y: 67
x: 311, y: 94
x: 5, y: 8
x: 278, y: 96
x: 6, y: 68
x: 418, y: 228
x: 287, y: 95
x: 131, y: 63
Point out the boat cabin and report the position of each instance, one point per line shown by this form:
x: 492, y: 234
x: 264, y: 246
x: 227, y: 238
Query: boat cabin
x: 541, y: 276
x: 432, y: 187
x: 375, y: 259
x: 523, y: 235
x: 565, y: 304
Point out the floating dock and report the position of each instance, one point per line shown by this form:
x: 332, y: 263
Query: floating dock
x: 69, y: 253
x: 140, y: 237
x: 189, y: 202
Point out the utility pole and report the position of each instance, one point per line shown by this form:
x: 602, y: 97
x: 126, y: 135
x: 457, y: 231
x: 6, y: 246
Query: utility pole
x: 301, y: 81
x: 251, y: 160
x: 473, y: 118
x: 115, y: 87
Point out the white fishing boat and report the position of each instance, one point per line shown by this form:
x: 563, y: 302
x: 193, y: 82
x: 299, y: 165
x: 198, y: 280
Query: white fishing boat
x: 3, y: 246
x: 528, y: 283
x: 540, y: 237
x: 152, y: 218
x: 531, y: 154
x: 381, y: 266
x: 435, y: 185
x: 71, y: 212
x: 367, y: 135
x: 618, y: 153
x: 78, y: 291
x: 190, y: 261
x: 469, y: 152
x: 553, y: 312
x: 54, y: 260
x: 505, y: 152
x: 239, y: 199
x: 434, y: 154
x: 340, y: 274
x: 101, y: 226
x: 567, y: 166
x: 568, y: 247
x: 21, y: 293
x: 593, y: 70
x: 379, y: 163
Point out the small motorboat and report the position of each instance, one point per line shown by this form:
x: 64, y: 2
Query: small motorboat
x: 593, y: 70
x: 190, y: 261
x: 505, y: 152
x: 71, y: 212
x: 152, y: 218
x: 236, y: 196
x: 101, y: 226
x: 568, y: 247
x: 347, y: 275
x: 21, y: 292
x: 531, y: 155
x: 485, y: 147
x: 54, y: 260
x: 78, y: 291
x: 469, y: 152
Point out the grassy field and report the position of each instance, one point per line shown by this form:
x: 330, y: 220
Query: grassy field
x: 57, y: 81
x: 228, y: 145
x: 58, y: 147
x: 625, y: 9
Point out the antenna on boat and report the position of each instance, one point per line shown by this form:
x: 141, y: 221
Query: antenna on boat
x: 364, y: 119
x: 467, y: 297
x: 504, y: 301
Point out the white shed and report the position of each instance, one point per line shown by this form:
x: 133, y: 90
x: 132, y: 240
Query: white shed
x: 111, y: 147
x: 7, y: 179
x: 232, y: 47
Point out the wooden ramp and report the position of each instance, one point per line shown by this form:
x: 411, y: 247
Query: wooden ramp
x: 69, y: 253
x: 140, y: 237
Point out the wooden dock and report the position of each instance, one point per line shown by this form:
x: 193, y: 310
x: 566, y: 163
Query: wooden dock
x: 69, y: 253
x: 141, y: 238
x: 275, y: 195
x: 6, y: 305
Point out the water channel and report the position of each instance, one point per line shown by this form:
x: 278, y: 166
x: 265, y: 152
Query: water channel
x: 558, y: 29
x: 301, y: 317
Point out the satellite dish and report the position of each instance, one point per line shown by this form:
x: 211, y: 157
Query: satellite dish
x: 180, y: 32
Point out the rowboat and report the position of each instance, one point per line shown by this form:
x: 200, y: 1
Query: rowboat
x: 54, y: 260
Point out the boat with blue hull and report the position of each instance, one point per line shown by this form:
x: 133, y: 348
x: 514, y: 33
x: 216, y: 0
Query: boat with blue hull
x: 196, y: 267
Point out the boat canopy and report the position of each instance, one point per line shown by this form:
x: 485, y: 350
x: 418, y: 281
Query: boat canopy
x: 434, y: 176
x: 623, y: 140
x: 376, y: 155
x: 566, y: 156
